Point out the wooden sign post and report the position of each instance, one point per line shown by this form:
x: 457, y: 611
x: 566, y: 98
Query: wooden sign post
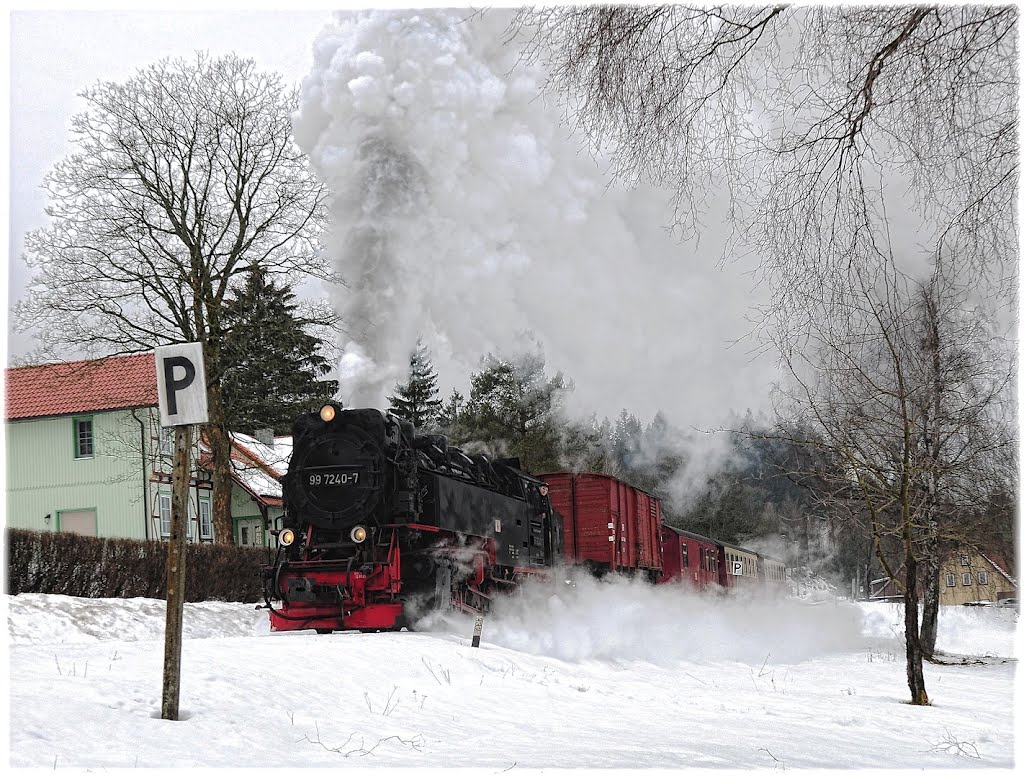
x: 182, y: 475
x: 181, y: 385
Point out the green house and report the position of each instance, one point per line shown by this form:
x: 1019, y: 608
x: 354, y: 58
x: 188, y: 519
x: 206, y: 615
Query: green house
x: 85, y: 453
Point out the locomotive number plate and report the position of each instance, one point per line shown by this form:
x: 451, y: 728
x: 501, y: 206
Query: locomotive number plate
x: 332, y: 478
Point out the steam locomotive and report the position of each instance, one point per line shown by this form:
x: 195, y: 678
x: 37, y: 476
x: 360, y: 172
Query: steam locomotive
x: 383, y: 524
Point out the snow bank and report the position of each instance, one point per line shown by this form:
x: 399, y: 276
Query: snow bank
x: 53, y: 618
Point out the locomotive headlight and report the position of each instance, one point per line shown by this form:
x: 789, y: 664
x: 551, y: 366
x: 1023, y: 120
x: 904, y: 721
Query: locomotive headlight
x: 286, y: 537
x: 358, y: 534
x: 328, y: 412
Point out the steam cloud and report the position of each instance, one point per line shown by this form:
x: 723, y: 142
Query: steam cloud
x: 627, y: 619
x: 464, y: 214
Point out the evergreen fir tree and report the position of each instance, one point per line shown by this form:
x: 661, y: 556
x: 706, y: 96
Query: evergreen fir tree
x: 449, y: 412
x: 272, y: 366
x: 514, y: 407
x: 417, y: 400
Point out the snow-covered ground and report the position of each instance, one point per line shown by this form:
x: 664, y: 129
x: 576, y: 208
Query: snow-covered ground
x: 601, y: 675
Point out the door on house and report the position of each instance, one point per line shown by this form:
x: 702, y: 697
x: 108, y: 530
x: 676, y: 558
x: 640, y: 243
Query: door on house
x: 250, y: 532
x: 79, y: 522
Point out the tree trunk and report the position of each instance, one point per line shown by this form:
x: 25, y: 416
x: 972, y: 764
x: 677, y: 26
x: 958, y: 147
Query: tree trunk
x: 930, y: 615
x: 915, y: 658
x: 931, y: 429
x: 220, y: 454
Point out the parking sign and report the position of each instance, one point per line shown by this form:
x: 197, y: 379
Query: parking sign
x: 181, y: 384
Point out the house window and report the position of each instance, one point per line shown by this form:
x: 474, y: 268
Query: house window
x: 165, y: 515
x: 966, y: 579
x: 965, y: 560
x: 250, y: 532
x: 205, y: 519
x: 82, y: 427
x: 983, y: 578
x: 950, y: 579
x: 167, y: 440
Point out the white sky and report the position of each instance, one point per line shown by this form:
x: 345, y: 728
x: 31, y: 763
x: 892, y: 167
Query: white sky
x: 613, y: 676
x: 55, y: 54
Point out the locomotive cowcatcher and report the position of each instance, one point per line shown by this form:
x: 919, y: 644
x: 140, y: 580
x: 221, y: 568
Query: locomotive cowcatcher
x: 383, y: 524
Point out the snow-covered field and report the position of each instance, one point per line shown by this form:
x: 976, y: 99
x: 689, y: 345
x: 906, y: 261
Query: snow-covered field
x: 602, y: 675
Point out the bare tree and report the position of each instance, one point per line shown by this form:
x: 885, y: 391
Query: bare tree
x: 824, y: 126
x: 962, y: 371
x: 816, y: 120
x: 183, y: 179
x: 905, y: 394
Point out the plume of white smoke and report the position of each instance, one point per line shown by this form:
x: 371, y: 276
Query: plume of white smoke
x: 442, y: 176
x: 463, y: 213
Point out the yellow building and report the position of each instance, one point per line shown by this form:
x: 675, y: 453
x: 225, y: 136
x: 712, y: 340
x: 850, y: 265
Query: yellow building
x: 966, y: 576
x: 970, y: 576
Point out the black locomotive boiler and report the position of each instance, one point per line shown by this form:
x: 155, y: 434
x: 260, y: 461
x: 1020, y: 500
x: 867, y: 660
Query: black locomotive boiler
x: 382, y: 523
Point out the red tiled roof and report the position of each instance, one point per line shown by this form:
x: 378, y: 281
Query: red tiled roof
x: 85, y: 386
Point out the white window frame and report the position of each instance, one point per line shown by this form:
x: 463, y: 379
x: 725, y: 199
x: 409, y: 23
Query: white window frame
x: 164, y: 513
x: 965, y: 560
x: 80, y: 453
x: 166, y: 441
x: 966, y: 578
x: 950, y: 579
x: 205, y: 518
x: 983, y: 578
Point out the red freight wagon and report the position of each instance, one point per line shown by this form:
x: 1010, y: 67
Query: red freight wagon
x: 688, y: 557
x: 608, y: 524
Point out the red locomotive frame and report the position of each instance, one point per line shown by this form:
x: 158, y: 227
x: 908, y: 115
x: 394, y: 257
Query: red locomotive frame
x: 375, y: 599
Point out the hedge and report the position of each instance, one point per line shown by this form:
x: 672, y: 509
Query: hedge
x: 79, y: 566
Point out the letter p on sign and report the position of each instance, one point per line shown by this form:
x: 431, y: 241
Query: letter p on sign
x: 181, y: 384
